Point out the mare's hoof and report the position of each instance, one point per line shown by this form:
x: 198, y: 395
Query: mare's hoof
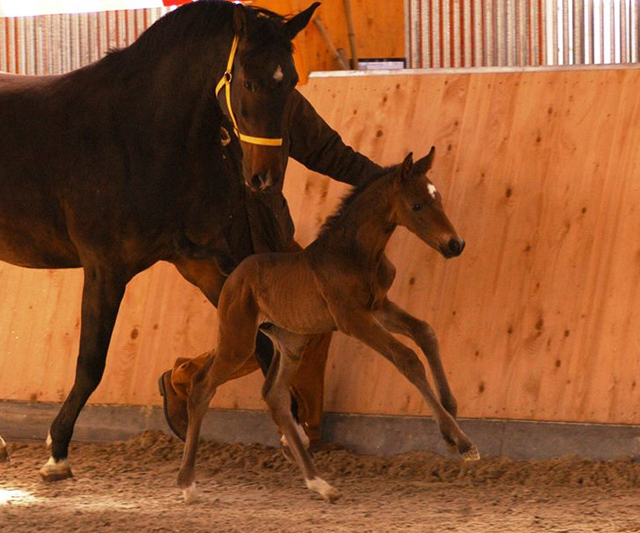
x: 56, y: 470
x: 190, y: 494
x: 472, y: 454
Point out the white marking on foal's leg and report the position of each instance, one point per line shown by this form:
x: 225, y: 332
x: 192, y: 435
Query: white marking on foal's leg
x: 190, y: 494
x: 323, y: 488
x: 56, y: 470
x: 303, y: 437
x: 4, y: 455
x: 49, y: 440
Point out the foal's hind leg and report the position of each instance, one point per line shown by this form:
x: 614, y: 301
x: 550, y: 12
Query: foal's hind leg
x: 4, y: 455
x: 101, y: 297
x: 276, y: 395
x: 367, y: 329
x: 235, y: 347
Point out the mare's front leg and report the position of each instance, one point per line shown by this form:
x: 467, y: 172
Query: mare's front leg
x: 367, y: 329
x: 102, y: 293
x: 397, y: 320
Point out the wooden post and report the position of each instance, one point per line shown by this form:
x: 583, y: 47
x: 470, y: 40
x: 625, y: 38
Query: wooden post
x: 352, y: 36
x: 325, y: 35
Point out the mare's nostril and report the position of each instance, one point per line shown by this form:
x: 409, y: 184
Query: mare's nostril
x: 456, y: 246
x: 257, y: 181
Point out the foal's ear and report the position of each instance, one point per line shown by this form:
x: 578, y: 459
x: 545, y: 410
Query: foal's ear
x: 423, y: 165
x: 239, y: 20
x: 296, y: 24
x: 406, y: 167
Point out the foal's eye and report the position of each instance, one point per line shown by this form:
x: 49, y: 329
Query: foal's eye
x: 249, y: 86
x: 416, y: 207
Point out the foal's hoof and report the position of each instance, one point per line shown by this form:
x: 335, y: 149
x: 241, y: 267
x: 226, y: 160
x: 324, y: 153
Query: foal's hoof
x: 452, y: 447
x: 190, y: 494
x: 472, y: 454
x: 56, y: 470
x: 323, y: 488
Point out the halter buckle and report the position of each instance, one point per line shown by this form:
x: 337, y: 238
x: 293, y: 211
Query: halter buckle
x: 227, y: 77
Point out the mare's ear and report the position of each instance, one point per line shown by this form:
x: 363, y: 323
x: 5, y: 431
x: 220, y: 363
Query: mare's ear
x: 423, y: 165
x: 406, y: 168
x: 239, y: 20
x: 295, y: 25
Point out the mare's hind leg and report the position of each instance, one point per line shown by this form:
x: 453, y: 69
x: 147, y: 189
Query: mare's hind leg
x: 276, y: 394
x: 368, y: 329
x: 4, y: 455
x: 102, y: 293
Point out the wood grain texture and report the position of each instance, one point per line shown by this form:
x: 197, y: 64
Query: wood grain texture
x: 538, y: 319
x: 378, y: 26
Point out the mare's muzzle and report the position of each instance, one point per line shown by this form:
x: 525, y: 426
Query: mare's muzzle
x: 453, y: 248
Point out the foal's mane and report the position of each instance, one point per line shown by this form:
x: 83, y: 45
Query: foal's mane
x: 350, y: 198
x: 207, y: 17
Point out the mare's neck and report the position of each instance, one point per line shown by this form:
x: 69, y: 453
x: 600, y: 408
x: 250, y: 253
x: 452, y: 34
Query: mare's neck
x: 158, y: 82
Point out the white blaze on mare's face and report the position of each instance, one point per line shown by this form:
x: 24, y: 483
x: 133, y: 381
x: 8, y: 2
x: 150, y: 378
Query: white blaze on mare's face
x: 432, y: 190
x: 278, y: 75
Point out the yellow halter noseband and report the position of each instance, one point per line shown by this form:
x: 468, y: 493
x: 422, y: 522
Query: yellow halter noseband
x: 226, y: 82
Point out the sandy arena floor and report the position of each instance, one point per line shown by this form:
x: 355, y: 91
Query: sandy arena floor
x: 131, y: 487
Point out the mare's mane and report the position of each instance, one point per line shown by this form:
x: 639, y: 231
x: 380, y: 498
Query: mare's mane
x: 347, y: 200
x: 207, y: 17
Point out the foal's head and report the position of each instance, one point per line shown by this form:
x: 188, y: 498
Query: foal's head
x: 418, y: 207
x: 263, y: 78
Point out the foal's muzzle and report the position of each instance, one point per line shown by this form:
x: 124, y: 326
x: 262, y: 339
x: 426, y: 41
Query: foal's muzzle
x: 453, y: 248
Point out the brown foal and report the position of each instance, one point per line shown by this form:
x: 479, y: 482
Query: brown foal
x: 339, y: 282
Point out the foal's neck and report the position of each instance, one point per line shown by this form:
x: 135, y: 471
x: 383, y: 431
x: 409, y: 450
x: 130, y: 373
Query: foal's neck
x: 364, y: 228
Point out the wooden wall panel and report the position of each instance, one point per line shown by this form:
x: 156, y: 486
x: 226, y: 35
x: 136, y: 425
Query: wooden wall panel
x: 538, y: 319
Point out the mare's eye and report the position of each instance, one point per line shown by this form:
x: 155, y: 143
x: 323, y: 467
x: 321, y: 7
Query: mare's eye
x: 249, y: 86
x: 416, y: 207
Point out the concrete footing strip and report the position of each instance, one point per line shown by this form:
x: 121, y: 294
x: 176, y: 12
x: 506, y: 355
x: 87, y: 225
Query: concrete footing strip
x: 361, y: 433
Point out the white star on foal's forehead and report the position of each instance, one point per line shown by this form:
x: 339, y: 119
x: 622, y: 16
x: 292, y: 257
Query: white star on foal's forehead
x: 432, y: 190
x: 278, y: 75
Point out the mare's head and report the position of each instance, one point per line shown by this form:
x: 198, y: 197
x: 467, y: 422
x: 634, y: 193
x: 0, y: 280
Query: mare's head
x: 263, y: 77
x: 418, y: 207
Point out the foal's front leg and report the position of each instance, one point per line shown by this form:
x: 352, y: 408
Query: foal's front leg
x: 367, y: 329
x: 397, y: 320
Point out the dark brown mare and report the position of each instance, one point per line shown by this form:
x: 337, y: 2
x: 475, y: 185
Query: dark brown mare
x: 108, y: 167
x: 339, y: 282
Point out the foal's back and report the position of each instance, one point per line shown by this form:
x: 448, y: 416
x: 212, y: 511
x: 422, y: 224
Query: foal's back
x: 279, y: 288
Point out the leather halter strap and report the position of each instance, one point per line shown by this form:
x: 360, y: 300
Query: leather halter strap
x: 225, y: 82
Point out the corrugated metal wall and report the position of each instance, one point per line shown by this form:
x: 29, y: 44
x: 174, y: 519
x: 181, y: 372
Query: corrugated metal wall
x: 54, y: 44
x: 471, y: 33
